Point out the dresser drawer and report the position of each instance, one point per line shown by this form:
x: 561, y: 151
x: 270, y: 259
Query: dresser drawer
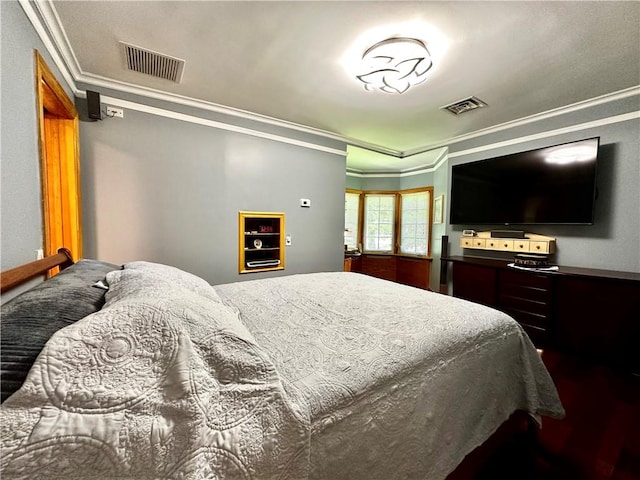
x: 511, y: 293
x: 521, y: 245
x: 538, y: 336
x: 473, y: 242
x: 527, y: 312
x: 492, y: 243
x: 527, y: 297
x: 466, y: 242
x: 503, y: 244
x: 527, y: 279
x: 540, y: 247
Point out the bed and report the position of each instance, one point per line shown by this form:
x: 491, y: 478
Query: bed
x: 145, y: 371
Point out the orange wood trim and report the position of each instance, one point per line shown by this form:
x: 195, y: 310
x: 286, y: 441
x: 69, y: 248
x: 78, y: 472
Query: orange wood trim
x: 60, y: 163
x: 397, y: 205
x: 243, y: 216
x: 415, y: 190
x: 56, y: 100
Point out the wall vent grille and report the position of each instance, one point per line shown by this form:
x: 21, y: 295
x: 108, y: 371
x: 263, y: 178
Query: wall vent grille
x: 153, y: 63
x: 465, y: 105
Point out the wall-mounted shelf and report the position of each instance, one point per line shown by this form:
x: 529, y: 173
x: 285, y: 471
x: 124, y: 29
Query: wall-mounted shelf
x: 261, y: 241
x: 532, y: 243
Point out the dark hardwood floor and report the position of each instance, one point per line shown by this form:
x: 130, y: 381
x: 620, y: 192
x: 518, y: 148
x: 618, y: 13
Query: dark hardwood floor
x: 599, y: 439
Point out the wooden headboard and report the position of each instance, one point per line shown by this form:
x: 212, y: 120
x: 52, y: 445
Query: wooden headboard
x: 17, y: 276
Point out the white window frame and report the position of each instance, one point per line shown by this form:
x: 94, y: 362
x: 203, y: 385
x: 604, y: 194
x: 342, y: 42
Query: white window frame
x: 371, y: 220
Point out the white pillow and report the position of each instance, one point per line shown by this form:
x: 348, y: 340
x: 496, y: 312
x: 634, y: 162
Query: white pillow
x: 173, y: 276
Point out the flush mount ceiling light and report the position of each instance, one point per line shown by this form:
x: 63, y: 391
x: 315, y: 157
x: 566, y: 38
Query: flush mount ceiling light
x: 395, y: 64
x: 393, y: 58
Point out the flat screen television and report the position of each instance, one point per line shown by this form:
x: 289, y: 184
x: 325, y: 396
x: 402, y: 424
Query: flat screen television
x: 552, y: 185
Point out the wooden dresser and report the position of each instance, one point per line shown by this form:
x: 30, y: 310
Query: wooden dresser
x: 414, y: 271
x: 590, y: 312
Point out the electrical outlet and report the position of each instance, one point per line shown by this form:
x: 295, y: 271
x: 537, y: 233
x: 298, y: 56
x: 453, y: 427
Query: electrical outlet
x: 39, y: 254
x: 114, y: 112
x: 305, y: 202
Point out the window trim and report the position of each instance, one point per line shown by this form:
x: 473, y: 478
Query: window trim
x: 394, y: 238
x: 396, y: 230
x: 360, y: 213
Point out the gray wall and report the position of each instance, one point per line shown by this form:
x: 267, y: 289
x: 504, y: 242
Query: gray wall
x: 440, y: 187
x: 163, y: 190
x: 354, y: 182
x: 391, y: 182
x: 168, y: 191
x: 21, y: 197
x: 613, y: 241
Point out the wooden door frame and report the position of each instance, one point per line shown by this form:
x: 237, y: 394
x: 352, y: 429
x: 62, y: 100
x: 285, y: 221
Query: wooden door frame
x: 58, y: 144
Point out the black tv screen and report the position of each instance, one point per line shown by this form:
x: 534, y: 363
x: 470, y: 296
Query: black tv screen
x: 552, y: 185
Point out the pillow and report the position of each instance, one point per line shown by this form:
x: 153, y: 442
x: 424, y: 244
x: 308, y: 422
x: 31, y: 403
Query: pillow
x: 29, y: 319
x: 175, y: 276
x: 135, y: 288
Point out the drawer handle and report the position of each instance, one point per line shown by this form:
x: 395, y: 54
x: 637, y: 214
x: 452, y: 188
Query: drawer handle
x: 521, y: 246
x: 506, y: 245
x: 538, y: 247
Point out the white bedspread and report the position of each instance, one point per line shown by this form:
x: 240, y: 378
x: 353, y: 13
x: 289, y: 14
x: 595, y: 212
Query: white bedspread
x: 320, y: 376
x: 401, y: 383
x: 163, y: 382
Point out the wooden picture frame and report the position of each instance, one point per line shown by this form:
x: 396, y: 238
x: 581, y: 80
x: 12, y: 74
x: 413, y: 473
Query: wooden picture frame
x: 438, y: 209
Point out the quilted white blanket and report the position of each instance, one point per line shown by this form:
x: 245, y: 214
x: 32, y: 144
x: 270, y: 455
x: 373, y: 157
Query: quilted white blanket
x: 323, y: 376
x: 163, y: 382
x: 401, y: 383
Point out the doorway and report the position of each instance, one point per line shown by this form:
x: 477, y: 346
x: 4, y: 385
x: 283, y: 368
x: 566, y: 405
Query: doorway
x: 59, y: 164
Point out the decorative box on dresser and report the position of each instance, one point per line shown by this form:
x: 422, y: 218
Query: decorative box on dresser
x: 590, y: 312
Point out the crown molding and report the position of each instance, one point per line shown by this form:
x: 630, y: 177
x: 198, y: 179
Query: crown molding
x: 625, y: 117
x: 408, y: 172
x: 57, y: 43
x: 538, y: 117
x: 43, y: 34
x: 161, y: 112
x: 68, y: 63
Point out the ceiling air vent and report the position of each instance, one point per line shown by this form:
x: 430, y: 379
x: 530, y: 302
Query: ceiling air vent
x: 153, y: 63
x: 465, y: 105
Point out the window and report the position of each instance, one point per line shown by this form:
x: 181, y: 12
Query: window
x: 379, y: 219
x: 414, y: 218
x: 389, y: 222
x: 351, y: 223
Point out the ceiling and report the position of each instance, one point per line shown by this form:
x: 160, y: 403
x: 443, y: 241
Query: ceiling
x: 282, y: 60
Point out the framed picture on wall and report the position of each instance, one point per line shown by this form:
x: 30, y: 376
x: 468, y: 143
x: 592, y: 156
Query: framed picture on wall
x: 438, y: 209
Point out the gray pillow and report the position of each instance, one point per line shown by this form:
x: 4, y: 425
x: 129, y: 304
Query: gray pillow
x: 29, y: 319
